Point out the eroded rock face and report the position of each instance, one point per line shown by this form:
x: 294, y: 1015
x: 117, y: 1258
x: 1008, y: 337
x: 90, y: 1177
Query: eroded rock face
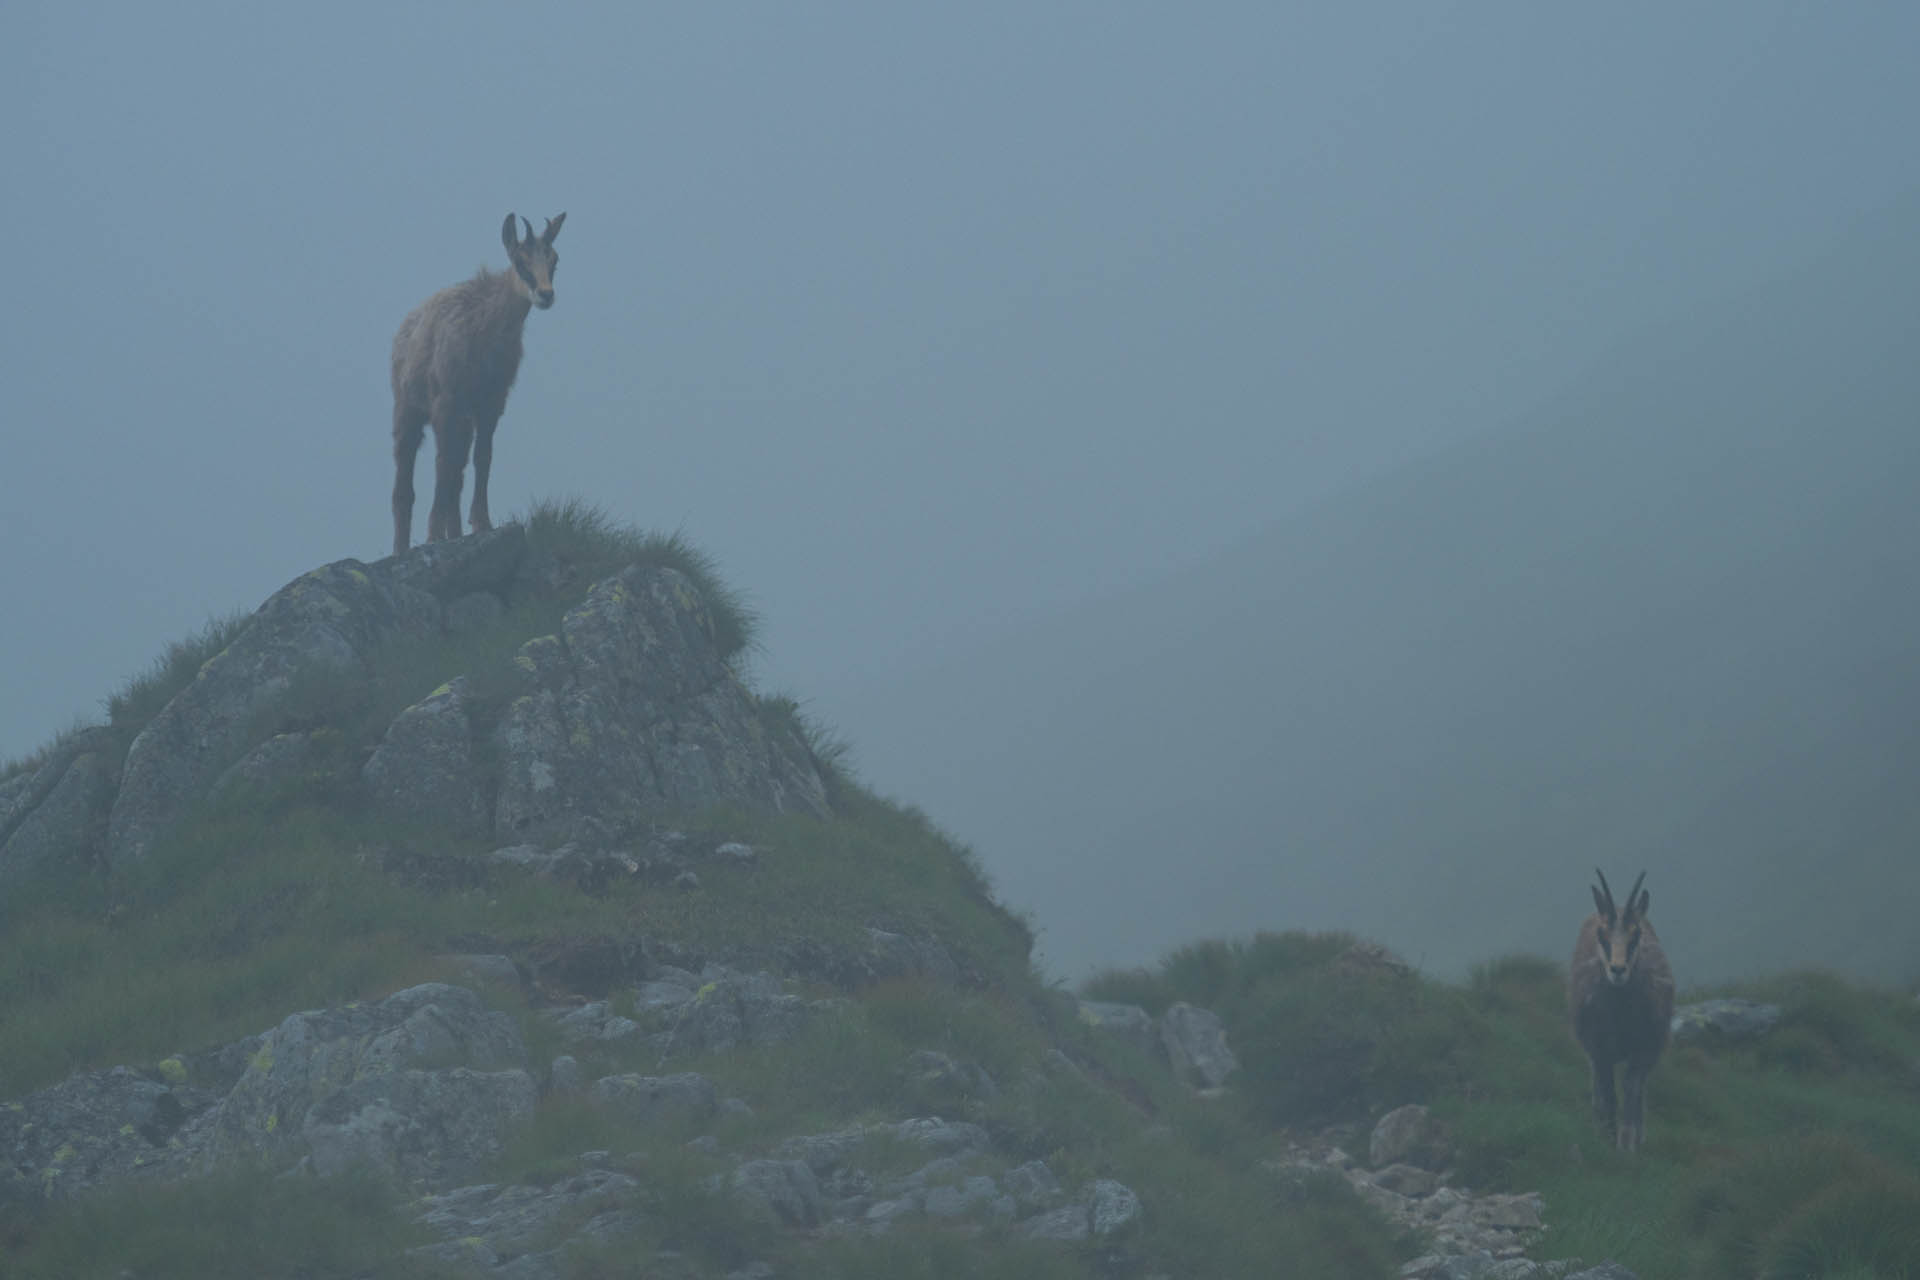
x: 423, y: 1084
x: 56, y: 810
x: 627, y: 712
x: 630, y: 711
x: 329, y: 619
x: 424, y: 767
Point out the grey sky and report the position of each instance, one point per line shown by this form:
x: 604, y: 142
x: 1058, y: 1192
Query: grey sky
x: 923, y: 322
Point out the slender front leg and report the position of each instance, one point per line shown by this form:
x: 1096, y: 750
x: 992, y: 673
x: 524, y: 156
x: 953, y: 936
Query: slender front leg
x: 482, y: 465
x: 407, y: 430
x: 450, y: 464
x: 1603, y: 1100
x: 1633, y: 1121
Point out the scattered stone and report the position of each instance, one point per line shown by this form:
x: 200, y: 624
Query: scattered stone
x: 1408, y: 1135
x: 565, y: 1076
x: 1727, y: 1019
x: 1127, y: 1022
x: 1032, y: 1184
x: 1407, y: 1180
x: 1196, y: 1045
x: 495, y: 969
x: 1114, y: 1205
x: 783, y: 1192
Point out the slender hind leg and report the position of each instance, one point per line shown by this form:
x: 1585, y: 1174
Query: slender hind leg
x: 408, y: 427
x: 482, y: 465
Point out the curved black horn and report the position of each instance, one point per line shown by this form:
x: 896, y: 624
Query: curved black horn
x: 1633, y: 894
x: 528, y: 238
x: 1606, y: 889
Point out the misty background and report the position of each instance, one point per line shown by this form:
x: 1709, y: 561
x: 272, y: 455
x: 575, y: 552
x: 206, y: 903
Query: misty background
x: 1239, y: 467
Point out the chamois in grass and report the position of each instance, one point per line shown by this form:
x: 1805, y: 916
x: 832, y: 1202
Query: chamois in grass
x: 1620, y: 993
x: 454, y: 361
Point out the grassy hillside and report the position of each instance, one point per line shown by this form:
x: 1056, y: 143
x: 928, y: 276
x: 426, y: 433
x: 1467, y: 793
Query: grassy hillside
x: 1805, y: 1146
x: 1795, y: 1155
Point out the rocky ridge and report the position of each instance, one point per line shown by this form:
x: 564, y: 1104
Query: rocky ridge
x: 627, y: 711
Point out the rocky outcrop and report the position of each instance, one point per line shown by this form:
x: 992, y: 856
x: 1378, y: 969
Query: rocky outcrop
x: 329, y: 620
x: 629, y: 711
x: 424, y: 1085
x: 57, y: 809
x: 424, y: 767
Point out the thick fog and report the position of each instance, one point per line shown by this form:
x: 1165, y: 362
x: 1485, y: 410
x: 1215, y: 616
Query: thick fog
x: 1236, y: 467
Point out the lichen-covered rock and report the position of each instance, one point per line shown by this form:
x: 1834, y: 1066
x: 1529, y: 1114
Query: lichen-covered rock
x: 423, y: 767
x: 1728, y: 1019
x: 423, y: 1084
x: 329, y: 619
x: 630, y: 711
x: 1196, y: 1045
x: 688, y: 1017
x: 95, y: 1127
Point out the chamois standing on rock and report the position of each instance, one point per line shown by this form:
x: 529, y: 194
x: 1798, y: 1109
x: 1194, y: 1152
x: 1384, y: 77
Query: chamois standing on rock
x: 454, y: 361
x: 1620, y: 993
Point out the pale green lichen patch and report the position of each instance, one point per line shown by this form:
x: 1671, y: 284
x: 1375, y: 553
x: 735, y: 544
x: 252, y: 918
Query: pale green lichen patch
x: 172, y: 1070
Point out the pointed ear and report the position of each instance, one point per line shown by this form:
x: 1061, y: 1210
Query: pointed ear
x: 507, y: 237
x: 1600, y: 904
x: 1640, y: 907
x: 553, y: 229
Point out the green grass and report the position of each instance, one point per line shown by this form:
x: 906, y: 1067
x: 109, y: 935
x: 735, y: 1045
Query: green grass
x: 142, y: 697
x: 234, y: 1223
x: 1795, y: 1155
x: 577, y: 544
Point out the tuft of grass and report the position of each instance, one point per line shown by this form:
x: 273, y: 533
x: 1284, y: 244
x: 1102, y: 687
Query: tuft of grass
x: 579, y: 541
x: 141, y: 698
x: 1814, y: 1206
x: 831, y: 753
